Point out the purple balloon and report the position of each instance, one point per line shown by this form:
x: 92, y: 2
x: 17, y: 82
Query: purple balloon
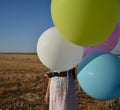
x: 107, y: 45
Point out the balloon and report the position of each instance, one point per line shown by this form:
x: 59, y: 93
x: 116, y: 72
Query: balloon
x: 119, y: 20
x: 116, y: 50
x: 57, y: 53
x: 85, y: 22
x: 99, y: 75
x: 119, y: 7
x: 107, y: 45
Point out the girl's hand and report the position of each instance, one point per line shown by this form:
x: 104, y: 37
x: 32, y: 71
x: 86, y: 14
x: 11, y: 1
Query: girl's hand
x: 49, y: 74
x: 46, y: 98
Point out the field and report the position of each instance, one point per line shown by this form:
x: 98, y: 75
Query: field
x: 23, y: 86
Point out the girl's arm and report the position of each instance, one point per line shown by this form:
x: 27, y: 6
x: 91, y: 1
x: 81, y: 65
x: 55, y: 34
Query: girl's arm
x: 46, y: 98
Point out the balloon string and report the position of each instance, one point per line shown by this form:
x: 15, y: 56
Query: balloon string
x: 111, y: 47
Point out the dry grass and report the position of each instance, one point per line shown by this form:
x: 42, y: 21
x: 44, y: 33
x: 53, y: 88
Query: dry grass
x: 22, y: 86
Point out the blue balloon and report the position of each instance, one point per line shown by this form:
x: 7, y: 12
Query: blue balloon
x: 99, y: 75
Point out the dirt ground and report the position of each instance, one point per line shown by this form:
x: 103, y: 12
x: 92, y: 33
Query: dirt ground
x: 23, y: 85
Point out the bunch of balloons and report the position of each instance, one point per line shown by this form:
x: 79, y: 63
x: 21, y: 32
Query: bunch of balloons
x: 84, y: 34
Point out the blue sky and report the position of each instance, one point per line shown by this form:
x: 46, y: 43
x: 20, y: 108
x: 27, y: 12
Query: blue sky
x: 21, y: 24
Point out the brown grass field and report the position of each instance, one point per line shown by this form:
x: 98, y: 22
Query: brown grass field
x: 23, y: 85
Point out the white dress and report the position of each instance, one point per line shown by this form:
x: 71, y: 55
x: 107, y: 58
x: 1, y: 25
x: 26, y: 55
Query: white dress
x: 62, y: 94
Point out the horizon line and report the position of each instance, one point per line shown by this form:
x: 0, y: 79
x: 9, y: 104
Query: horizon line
x: 18, y: 52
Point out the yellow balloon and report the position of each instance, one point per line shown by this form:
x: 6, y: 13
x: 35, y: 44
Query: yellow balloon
x: 119, y: 7
x: 85, y: 22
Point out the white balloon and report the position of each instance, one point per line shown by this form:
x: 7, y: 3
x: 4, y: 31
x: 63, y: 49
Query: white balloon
x: 57, y: 53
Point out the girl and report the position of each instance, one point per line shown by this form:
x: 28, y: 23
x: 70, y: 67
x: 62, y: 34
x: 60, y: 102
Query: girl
x: 61, y: 92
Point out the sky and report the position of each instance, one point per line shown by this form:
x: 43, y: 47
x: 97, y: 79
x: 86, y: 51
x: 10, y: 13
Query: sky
x: 21, y: 24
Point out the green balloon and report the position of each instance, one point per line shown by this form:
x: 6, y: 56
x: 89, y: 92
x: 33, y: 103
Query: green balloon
x: 85, y: 22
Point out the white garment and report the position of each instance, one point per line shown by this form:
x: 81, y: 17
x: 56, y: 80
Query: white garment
x: 62, y: 94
